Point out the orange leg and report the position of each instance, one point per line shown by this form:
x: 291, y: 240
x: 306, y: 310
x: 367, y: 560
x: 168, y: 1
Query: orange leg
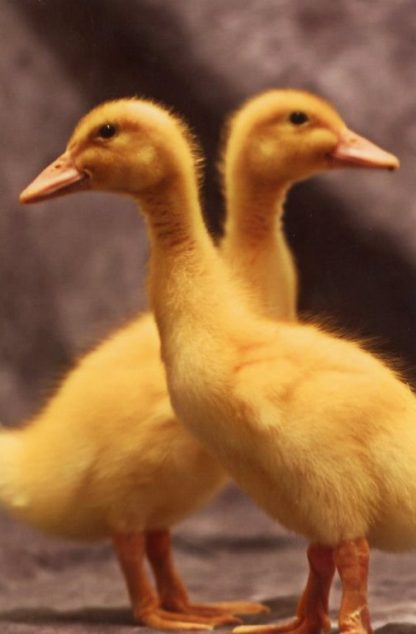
x: 312, y: 611
x: 352, y: 561
x: 130, y: 549
x: 172, y: 592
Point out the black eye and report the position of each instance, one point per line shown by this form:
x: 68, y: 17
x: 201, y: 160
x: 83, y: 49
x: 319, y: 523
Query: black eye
x: 297, y: 117
x: 107, y: 131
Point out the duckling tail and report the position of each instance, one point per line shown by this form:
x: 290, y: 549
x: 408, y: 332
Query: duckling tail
x: 12, y: 497
x: 33, y: 487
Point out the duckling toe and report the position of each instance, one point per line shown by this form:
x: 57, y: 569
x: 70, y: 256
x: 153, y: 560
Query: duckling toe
x: 237, y: 607
x: 297, y: 626
x: 199, y: 613
x: 163, y: 620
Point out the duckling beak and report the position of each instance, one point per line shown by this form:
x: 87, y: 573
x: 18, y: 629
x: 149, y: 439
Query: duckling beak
x: 59, y: 178
x: 353, y: 150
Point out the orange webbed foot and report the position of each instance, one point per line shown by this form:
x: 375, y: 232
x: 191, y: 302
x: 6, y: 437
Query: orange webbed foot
x: 172, y: 591
x: 146, y: 604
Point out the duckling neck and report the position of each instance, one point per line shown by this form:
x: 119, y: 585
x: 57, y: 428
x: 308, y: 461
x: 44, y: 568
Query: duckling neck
x: 189, y: 287
x: 254, y: 211
x: 256, y: 247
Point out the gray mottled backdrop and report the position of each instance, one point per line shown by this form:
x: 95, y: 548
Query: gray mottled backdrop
x: 72, y: 269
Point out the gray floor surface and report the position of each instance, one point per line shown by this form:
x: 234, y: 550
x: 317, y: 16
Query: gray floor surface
x: 229, y: 550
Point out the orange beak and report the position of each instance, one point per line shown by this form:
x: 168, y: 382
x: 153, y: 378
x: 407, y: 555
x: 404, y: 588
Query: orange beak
x: 59, y: 178
x: 353, y: 150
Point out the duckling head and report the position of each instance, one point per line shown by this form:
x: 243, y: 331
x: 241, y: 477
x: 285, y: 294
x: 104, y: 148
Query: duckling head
x: 289, y: 135
x: 128, y: 146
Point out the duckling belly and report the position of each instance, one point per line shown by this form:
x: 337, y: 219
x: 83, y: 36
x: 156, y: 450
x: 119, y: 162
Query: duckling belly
x: 159, y: 489
x: 306, y: 502
x: 332, y: 495
x: 394, y: 525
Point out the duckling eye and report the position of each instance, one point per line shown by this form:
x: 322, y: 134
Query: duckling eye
x: 297, y: 117
x: 107, y: 131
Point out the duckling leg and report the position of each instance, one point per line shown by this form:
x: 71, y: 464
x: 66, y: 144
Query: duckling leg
x: 352, y: 561
x: 312, y: 611
x: 130, y: 549
x: 172, y: 591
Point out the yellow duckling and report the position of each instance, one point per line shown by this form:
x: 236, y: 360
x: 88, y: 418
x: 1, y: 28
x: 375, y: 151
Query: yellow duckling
x: 108, y: 458
x: 265, y: 153
x: 317, y: 430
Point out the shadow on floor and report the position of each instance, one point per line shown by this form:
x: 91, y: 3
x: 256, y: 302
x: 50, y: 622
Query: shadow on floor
x: 49, y: 616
